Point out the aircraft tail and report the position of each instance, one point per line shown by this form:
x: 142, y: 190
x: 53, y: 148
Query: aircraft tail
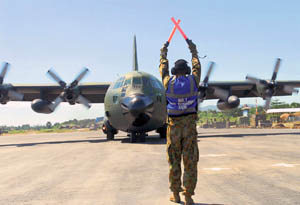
x: 135, y: 60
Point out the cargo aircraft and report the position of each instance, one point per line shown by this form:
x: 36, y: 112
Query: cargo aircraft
x: 136, y: 102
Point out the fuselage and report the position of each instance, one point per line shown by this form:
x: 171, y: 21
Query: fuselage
x: 136, y: 102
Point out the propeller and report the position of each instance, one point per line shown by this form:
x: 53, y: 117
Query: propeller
x: 203, y: 87
x: 3, y: 72
x: 6, y: 90
x: 70, y: 92
x: 270, y: 86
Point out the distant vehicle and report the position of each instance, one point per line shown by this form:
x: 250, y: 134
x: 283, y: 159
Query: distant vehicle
x: 136, y: 102
x: 3, y: 131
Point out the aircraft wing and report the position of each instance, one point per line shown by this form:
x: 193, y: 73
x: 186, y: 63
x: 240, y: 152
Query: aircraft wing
x: 245, y: 89
x: 94, y: 92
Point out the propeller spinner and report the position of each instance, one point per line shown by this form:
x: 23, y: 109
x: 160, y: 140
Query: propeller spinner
x: 70, y: 93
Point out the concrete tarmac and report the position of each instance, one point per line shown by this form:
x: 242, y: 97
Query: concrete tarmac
x: 236, y: 166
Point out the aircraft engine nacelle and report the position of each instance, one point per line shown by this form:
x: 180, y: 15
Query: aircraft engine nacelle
x: 231, y: 103
x: 41, y: 106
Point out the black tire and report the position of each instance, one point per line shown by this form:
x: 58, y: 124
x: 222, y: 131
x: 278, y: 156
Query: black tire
x: 143, y: 137
x: 133, y: 137
x: 162, y: 132
x: 110, y: 136
x: 104, y: 129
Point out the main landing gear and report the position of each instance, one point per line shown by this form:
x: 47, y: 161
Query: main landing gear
x: 109, y: 130
x: 162, y: 132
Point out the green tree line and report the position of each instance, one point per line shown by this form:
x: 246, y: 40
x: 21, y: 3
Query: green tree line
x: 233, y: 114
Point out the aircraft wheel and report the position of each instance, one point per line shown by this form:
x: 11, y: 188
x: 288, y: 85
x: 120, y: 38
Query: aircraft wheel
x: 110, y: 136
x: 143, y: 137
x: 104, y: 129
x: 162, y: 132
x: 133, y: 137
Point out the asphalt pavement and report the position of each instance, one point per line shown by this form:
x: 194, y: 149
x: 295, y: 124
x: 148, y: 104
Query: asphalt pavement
x: 236, y: 166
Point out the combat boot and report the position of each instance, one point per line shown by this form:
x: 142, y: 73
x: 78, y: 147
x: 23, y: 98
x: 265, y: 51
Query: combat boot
x: 188, y: 199
x: 175, y: 197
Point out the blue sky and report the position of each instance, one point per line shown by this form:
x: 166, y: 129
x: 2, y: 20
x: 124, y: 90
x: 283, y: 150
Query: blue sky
x: 241, y: 37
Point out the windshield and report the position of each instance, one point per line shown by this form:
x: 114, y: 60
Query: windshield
x: 156, y: 84
x: 137, y: 81
x: 119, y: 83
x: 127, y: 82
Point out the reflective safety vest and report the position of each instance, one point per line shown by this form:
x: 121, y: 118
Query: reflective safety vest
x: 182, y: 95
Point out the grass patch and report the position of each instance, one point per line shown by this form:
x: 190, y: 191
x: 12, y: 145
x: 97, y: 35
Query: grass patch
x: 53, y: 130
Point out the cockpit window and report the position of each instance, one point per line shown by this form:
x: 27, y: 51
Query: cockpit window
x: 147, y: 86
x: 127, y: 82
x: 146, y: 82
x: 119, y: 83
x: 137, y: 81
x: 156, y: 84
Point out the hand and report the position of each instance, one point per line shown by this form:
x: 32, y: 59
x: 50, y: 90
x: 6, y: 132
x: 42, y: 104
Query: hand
x: 192, y: 46
x: 164, y: 50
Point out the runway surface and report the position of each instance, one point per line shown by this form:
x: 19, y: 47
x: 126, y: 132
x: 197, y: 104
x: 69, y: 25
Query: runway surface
x: 237, y: 166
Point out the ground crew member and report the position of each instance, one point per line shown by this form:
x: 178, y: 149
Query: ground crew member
x: 181, y: 91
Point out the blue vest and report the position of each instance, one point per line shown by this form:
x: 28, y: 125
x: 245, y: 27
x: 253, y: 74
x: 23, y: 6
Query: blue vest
x: 182, y: 95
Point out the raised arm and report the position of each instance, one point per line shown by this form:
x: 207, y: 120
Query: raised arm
x: 196, y: 66
x: 164, y: 65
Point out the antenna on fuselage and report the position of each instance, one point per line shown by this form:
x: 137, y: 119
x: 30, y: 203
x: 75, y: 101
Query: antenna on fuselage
x: 135, y: 60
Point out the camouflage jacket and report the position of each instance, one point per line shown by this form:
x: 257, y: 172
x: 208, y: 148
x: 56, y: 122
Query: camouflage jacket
x: 164, y: 69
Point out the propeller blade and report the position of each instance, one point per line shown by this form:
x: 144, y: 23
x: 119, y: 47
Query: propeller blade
x: 56, y: 78
x: 221, y: 93
x: 253, y: 79
x: 3, y: 72
x: 276, y: 68
x: 201, y: 97
x: 82, y: 100
x: 13, y: 95
x: 204, y: 86
x: 56, y: 102
x: 211, y: 66
x: 256, y: 80
x: 267, y: 103
x: 289, y: 89
x: 79, y: 77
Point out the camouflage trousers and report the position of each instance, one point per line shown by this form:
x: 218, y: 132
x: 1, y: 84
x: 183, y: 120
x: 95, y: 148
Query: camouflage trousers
x: 182, y: 143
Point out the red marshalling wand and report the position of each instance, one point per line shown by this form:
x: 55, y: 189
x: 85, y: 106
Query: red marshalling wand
x: 179, y: 29
x: 173, y: 31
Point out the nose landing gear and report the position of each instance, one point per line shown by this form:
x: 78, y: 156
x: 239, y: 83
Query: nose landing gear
x: 137, y: 136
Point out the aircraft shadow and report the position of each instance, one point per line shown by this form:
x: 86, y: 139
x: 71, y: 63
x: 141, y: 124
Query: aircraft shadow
x: 247, y: 134
x: 153, y: 139
x: 55, y: 142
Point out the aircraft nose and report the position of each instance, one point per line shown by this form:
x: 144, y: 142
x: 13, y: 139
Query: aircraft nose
x: 137, y: 104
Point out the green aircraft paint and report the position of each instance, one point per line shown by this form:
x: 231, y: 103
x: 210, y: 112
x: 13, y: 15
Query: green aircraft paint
x: 136, y: 103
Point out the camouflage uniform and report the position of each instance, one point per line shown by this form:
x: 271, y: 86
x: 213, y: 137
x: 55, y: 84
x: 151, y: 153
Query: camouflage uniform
x: 182, y: 134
